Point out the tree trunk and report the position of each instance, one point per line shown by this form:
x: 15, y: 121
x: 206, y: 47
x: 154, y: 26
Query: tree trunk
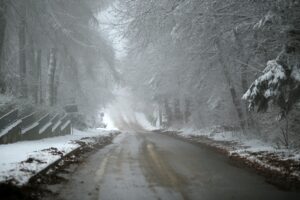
x: 236, y: 102
x: 177, y: 114
x: 51, y: 77
x: 160, y: 114
x: 33, y: 71
x: 169, y: 115
x: 187, y: 111
x: 2, y: 36
x: 77, y: 90
x: 56, y: 84
x: 22, y: 58
x: 38, y: 92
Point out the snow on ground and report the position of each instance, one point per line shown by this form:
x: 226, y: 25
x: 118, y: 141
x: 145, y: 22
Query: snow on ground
x: 229, y: 136
x: 240, y: 143
x: 19, y: 161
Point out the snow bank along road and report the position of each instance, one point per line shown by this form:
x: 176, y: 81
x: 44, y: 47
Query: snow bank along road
x: 145, y: 165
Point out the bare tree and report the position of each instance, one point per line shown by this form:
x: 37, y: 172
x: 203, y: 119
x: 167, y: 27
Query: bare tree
x: 22, y: 55
x: 51, y: 77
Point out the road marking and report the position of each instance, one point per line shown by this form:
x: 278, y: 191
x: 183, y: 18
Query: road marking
x: 172, y: 179
x: 162, y: 172
x: 100, y: 172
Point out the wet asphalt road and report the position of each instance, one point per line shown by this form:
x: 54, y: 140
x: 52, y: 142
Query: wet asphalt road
x: 145, y: 165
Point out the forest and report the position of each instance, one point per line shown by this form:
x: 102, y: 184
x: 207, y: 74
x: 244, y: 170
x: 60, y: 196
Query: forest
x: 201, y: 63
x: 233, y: 64
x: 53, y: 54
x: 219, y: 73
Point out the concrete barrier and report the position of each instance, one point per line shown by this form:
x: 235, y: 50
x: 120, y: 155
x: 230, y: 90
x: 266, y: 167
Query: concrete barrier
x: 8, y: 118
x: 33, y: 126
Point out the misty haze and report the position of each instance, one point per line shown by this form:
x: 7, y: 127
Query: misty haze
x: 149, y: 99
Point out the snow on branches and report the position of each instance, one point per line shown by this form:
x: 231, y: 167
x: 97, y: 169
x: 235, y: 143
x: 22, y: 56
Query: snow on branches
x: 267, y: 86
x: 279, y: 84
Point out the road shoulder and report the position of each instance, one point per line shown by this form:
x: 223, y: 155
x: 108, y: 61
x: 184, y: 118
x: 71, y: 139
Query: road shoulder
x: 281, y: 172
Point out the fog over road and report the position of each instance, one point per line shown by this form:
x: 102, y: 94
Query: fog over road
x: 145, y: 165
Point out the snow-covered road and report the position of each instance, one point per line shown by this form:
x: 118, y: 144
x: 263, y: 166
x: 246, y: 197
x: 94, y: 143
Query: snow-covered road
x: 145, y: 165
